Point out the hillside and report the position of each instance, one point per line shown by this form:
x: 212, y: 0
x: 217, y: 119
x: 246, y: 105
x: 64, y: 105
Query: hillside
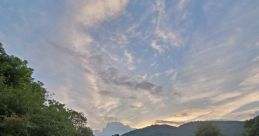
x: 228, y: 128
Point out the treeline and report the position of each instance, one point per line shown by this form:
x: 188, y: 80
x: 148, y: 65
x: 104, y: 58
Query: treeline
x: 26, y: 109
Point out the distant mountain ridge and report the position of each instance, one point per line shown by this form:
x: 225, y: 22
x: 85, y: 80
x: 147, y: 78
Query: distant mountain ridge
x: 228, y: 128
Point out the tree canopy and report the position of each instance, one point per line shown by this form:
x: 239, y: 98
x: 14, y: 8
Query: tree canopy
x: 207, y: 129
x: 25, y: 109
x: 252, y: 127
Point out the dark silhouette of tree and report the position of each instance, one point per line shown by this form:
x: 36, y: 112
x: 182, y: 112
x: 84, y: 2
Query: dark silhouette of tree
x: 252, y: 127
x: 2, y: 51
x: 207, y: 129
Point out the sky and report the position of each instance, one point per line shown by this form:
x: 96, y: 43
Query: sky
x: 141, y: 62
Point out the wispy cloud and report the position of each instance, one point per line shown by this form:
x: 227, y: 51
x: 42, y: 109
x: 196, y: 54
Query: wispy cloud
x: 94, y: 12
x: 155, y: 46
x: 182, y: 4
x: 129, y: 59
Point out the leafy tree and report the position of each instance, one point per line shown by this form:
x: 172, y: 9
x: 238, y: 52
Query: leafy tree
x: 84, y: 131
x: 207, y: 129
x: 252, y: 127
x: 25, y: 109
x: 2, y: 51
x: 14, y: 126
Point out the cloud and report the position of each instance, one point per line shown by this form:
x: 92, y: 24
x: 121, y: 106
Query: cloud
x: 113, y: 76
x: 164, y: 32
x: 84, y: 87
x: 225, y: 96
x: 167, y: 36
x: 186, y: 115
x: 173, y: 123
x: 227, y: 108
x: 182, y: 4
x: 155, y: 46
x: 129, y: 58
x: 94, y: 12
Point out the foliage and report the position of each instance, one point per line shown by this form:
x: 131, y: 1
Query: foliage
x: 252, y: 127
x: 25, y: 109
x: 207, y: 129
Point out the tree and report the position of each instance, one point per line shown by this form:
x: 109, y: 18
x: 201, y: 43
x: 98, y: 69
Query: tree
x: 207, y: 129
x: 84, y: 131
x: 26, y: 110
x: 2, y: 51
x: 252, y: 127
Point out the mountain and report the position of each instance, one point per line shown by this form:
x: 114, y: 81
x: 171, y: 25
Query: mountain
x: 113, y: 128
x: 228, y: 128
